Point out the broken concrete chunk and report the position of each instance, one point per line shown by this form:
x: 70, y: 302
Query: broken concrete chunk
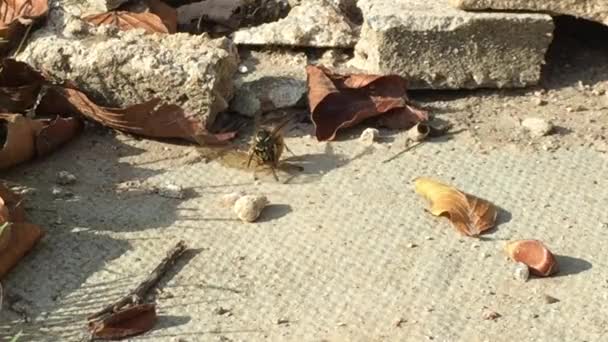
x: 278, y: 81
x: 594, y: 10
x: 313, y: 23
x: 118, y: 68
x: 436, y: 46
x: 249, y: 207
x: 537, y: 127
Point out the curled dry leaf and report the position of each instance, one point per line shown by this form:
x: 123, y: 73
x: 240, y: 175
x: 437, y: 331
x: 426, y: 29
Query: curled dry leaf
x: 17, y: 234
x: 340, y: 101
x: 16, y: 14
x: 19, y: 86
x: 131, y: 321
x: 469, y: 214
x: 151, y: 118
x: 160, y: 18
x: 26, y: 138
x: 534, y: 254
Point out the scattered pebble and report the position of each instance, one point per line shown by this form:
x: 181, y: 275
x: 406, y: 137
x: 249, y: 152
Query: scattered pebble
x: 243, y: 69
x: 539, y: 102
x: 369, y: 135
x: 222, y: 311
x: 598, y: 92
x: 228, y: 200
x: 399, y: 322
x: 429, y: 238
x: 550, y: 300
x: 171, y: 190
x: 490, y: 315
x: 282, y: 321
x: 412, y: 245
x: 521, y: 272
x: 537, y: 127
x: 59, y: 192
x: 249, y: 207
x: 65, y: 178
x: 341, y: 324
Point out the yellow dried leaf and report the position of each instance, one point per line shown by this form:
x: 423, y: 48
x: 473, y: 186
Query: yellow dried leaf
x: 469, y: 214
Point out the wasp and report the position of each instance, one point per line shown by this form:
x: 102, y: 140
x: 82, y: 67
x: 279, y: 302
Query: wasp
x: 266, y: 149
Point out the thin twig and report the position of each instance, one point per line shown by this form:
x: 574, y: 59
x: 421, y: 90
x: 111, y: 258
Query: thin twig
x: 27, y: 33
x: 136, y: 296
x: 402, y: 152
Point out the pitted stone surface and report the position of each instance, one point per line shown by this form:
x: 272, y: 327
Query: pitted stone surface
x: 437, y: 46
x: 595, y: 10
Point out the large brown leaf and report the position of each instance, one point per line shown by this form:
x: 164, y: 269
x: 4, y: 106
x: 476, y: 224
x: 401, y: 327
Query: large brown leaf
x: 151, y: 118
x: 28, y: 138
x: 17, y: 237
x: 15, y: 14
x: 19, y: 86
x: 160, y: 18
x: 22, y: 237
x: 339, y: 101
x: 128, y: 322
x: 469, y: 214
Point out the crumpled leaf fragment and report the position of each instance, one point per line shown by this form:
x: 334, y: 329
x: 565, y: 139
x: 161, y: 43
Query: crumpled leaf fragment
x: 19, y: 86
x: 26, y: 138
x: 15, y: 15
x: 17, y: 237
x: 340, y: 101
x: 152, y: 118
x: 134, y: 320
x: 467, y: 213
x: 160, y: 18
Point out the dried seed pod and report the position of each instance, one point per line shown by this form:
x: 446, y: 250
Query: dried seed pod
x: 534, y: 254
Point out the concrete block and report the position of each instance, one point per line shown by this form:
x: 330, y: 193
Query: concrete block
x: 435, y: 45
x: 594, y: 10
x: 125, y: 68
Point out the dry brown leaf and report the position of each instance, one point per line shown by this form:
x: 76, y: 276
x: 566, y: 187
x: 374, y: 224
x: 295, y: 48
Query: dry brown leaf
x: 469, y: 214
x: 19, y: 86
x: 151, y: 119
x: 340, y: 101
x: 20, y: 144
x: 28, y: 138
x: 23, y: 237
x: 166, y: 13
x: 161, y: 19
x: 16, y: 14
x: 19, y: 235
x: 129, y: 322
x: 535, y: 255
x: 13, y: 203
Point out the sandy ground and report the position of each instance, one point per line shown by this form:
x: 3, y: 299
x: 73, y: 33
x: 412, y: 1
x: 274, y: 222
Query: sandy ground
x: 332, y: 257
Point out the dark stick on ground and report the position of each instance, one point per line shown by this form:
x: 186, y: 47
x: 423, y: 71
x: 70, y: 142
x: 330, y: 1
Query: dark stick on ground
x: 137, y: 296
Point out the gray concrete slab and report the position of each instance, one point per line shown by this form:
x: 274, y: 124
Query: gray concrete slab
x: 435, y: 45
x: 595, y: 10
x: 331, y: 256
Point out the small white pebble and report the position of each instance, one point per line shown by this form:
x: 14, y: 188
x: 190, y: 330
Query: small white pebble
x: 537, y: 127
x: 369, y: 135
x: 65, y: 178
x: 249, y: 207
x: 243, y: 69
x: 521, y: 272
x: 171, y: 190
x: 412, y: 245
x: 59, y: 192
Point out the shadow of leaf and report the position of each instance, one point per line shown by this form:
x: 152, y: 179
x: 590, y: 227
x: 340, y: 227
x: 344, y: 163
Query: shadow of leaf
x: 571, y: 265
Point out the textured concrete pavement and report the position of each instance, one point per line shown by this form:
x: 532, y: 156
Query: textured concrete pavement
x: 331, y: 258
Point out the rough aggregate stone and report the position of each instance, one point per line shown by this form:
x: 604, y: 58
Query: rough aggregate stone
x: 277, y: 80
x: 595, y: 10
x: 313, y: 23
x: 119, y: 68
x: 435, y: 45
